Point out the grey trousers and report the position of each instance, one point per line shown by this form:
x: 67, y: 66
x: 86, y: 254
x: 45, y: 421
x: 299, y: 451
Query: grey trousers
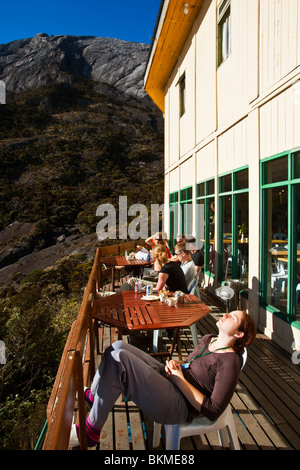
x: 126, y: 369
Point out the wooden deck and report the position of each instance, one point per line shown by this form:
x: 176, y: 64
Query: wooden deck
x: 265, y: 405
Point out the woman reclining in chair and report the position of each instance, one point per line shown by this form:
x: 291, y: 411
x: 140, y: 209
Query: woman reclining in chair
x: 172, y: 393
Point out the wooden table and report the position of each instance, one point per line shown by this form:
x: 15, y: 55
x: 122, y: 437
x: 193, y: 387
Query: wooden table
x: 127, y: 310
x: 122, y: 261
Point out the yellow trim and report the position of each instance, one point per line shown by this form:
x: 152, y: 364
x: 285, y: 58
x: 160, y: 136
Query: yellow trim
x: 173, y: 33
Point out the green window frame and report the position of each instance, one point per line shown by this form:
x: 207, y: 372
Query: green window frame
x: 186, y: 210
x: 173, y: 213
x: 233, y: 241
x: 205, y: 222
x: 280, y: 181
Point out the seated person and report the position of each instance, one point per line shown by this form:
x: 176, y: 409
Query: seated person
x: 170, y: 394
x: 160, y: 238
x: 186, y: 263
x: 196, y: 254
x: 170, y: 274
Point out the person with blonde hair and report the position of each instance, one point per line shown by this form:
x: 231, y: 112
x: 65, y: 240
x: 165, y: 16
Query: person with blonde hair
x: 170, y: 275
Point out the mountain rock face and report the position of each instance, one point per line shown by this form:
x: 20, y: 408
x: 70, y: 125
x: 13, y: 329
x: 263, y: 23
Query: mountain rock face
x: 78, y: 130
x: 31, y: 63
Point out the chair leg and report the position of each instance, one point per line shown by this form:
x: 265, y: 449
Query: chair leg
x: 235, y: 445
x: 194, y: 332
x: 223, y: 437
x: 172, y: 437
x: 155, y: 340
x: 156, y: 434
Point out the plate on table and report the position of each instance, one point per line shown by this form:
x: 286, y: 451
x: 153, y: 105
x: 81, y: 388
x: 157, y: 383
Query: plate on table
x: 150, y: 297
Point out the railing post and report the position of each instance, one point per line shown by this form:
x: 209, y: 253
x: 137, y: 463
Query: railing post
x: 80, y: 399
x: 100, y: 282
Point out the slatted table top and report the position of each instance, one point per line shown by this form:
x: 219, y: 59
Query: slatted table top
x: 127, y: 310
x: 123, y: 261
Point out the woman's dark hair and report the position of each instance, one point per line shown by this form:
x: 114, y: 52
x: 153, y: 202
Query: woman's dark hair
x: 248, y: 327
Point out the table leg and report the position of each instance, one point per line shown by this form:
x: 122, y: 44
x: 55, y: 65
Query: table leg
x: 113, y: 278
x: 175, y: 342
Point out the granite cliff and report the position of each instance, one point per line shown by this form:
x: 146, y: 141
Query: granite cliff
x: 31, y: 63
x: 78, y: 129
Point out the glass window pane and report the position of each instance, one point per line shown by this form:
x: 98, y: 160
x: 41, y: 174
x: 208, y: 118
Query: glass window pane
x: 211, y: 243
x: 211, y: 187
x: 297, y: 253
x: 241, y: 181
x: 201, y: 190
x: 276, y: 170
x: 296, y: 158
x: 227, y: 237
x: 243, y: 240
x: 200, y: 223
x: 225, y: 183
x: 187, y: 218
x: 277, y: 248
x: 173, y: 224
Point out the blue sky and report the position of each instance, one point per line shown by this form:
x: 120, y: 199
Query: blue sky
x: 132, y: 20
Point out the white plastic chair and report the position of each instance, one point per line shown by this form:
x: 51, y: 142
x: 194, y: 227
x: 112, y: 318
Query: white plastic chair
x: 201, y: 425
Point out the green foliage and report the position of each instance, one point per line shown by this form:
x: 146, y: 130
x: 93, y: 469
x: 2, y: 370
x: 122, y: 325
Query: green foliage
x: 35, y: 321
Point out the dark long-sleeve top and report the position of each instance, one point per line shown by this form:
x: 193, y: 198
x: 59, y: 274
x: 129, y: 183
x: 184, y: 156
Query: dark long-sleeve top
x: 215, y: 375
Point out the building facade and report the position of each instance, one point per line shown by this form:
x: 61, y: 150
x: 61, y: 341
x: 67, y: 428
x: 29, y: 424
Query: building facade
x: 226, y: 76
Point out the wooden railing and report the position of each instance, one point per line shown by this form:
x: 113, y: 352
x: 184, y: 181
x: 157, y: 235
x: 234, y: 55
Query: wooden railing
x: 77, y: 365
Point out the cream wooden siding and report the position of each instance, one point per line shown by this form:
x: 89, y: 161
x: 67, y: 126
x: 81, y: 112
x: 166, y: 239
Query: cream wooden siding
x: 237, y: 76
x: 206, y: 164
x: 233, y: 148
x: 187, y: 173
x: 280, y: 123
x: 187, y: 121
x: 206, y: 111
x: 279, y: 40
x: 173, y: 121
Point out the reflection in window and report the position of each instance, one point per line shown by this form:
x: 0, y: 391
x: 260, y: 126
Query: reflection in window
x: 182, y: 95
x: 224, y: 31
x: 296, y: 254
x: 281, y: 234
x: 277, y: 246
x: 276, y: 170
x: 205, y: 223
x: 173, y: 218
x: 186, y: 210
x: 226, y: 225
x: 234, y: 235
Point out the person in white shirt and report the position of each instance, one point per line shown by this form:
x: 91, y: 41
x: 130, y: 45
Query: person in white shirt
x: 186, y: 263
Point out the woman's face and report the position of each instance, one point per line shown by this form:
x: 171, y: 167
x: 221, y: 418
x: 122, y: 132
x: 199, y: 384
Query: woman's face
x: 231, y: 322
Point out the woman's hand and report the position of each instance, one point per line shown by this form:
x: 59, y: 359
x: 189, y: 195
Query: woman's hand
x: 174, y: 373
x: 172, y: 368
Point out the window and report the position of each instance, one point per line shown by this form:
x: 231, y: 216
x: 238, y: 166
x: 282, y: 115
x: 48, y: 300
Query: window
x: 224, y: 31
x: 181, y: 83
x: 205, y: 222
x: 280, y: 225
x: 186, y: 210
x: 173, y: 207
x: 233, y: 223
